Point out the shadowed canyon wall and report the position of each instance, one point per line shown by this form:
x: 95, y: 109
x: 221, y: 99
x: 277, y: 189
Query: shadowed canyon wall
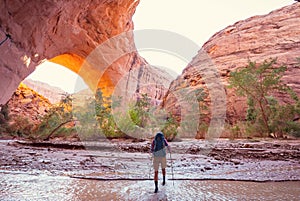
x: 67, y: 32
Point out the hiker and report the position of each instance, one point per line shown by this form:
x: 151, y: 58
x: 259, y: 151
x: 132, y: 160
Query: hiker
x: 159, y: 157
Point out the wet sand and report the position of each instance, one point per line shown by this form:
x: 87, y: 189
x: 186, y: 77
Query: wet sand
x: 43, y: 187
x: 191, y: 159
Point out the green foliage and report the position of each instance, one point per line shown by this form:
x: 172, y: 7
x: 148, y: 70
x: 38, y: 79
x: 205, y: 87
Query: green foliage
x: 236, y: 131
x: 57, y: 117
x: 170, y: 128
x: 145, y: 115
x: 140, y: 113
x: 111, y: 119
x: 192, y: 102
x: 281, y: 118
x: 4, y: 118
x: 202, y: 130
x: 21, y: 127
x: 258, y: 83
x: 293, y: 128
x: 4, y: 114
x: 103, y: 108
x: 251, y: 112
x: 65, y: 133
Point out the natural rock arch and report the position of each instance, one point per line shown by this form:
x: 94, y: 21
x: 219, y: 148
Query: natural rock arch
x: 64, y: 32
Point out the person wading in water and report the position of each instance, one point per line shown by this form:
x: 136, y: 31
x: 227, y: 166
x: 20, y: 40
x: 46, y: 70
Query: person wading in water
x: 158, y: 149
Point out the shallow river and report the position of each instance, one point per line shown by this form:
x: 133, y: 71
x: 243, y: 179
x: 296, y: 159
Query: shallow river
x: 23, y: 186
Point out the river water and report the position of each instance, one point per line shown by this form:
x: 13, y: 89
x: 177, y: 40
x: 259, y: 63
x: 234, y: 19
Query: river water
x: 15, y: 186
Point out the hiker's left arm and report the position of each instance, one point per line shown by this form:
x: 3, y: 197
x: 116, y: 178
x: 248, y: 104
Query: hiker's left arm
x: 152, y: 147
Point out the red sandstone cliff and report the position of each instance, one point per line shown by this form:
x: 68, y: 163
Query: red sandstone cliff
x: 258, y: 38
x: 28, y: 104
x: 67, y: 32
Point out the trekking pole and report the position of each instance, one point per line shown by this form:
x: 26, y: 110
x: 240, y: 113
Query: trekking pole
x: 150, y: 167
x: 172, y: 168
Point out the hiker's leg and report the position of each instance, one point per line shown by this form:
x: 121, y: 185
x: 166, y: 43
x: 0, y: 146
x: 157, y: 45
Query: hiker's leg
x: 163, y: 168
x: 156, y: 181
x: 155, y: 166
x: 155, y: 175
x: 164, y: 176
x: 164, y: 171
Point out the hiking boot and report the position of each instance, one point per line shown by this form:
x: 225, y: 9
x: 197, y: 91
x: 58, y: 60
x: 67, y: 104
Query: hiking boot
x: 156, y: 186
x: 164, y: 180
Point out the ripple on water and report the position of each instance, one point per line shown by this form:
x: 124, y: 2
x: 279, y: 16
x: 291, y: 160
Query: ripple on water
x: 44, y: 187
x: 214, y: 190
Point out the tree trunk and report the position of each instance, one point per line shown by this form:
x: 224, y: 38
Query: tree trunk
x: 54, y: 130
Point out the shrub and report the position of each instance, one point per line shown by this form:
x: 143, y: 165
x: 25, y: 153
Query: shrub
x: 170, y: 128
x: 258, y: 83
x: 57, y: 117
x: 20, y: 127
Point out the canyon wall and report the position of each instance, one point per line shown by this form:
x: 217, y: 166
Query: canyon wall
x: 66, y: 32
x: 53, y: 94
x: 275, y: 35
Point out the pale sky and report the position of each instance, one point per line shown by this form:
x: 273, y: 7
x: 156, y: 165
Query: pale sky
x: 196, y: 20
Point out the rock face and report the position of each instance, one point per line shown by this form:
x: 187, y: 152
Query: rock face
x: 67, y: 32
x: 53, y: 94
x: 140, y: 81
x: 26, y: 103
x: 275, y: 35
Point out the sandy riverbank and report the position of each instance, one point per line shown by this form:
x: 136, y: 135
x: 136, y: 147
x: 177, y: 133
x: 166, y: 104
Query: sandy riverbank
x: 263, y: 160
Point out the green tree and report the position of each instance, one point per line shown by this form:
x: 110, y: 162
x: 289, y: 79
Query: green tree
x: 259, y: 83
x: 170, y: 128
x: 146, y: 115
x: 58, y: 116
x: 141, y: 113
x: 103, y: 108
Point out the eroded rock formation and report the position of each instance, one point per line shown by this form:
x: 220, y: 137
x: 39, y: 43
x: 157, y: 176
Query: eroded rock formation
x: 67, y: 32
x: 275, y: 35
x: 27, y: 105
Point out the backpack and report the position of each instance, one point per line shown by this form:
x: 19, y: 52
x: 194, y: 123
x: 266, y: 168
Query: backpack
x: 159, y: 145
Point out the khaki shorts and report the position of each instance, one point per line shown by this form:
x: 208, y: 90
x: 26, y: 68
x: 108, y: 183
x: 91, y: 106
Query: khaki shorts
x: 159, y: 160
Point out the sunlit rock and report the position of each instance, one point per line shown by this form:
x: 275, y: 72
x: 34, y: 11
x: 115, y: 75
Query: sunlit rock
x: 275, y: 35
x: 66, y: 32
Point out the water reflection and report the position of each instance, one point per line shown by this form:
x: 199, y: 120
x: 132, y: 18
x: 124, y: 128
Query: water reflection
x: 23, y: 186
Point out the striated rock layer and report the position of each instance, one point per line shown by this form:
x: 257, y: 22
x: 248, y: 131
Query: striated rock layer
x: 67, y: 32
x: 275, y: 35
x: 53, y: 94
